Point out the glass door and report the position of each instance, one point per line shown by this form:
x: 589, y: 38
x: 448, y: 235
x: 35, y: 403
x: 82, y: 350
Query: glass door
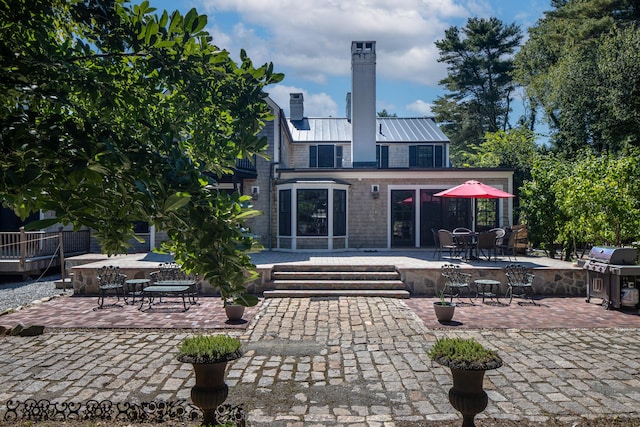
x: 430, y: 217
x: 403, y: 208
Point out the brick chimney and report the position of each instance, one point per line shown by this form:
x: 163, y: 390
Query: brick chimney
x: 363, y: 104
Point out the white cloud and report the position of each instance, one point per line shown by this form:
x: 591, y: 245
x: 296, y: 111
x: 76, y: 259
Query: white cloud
x: 315, y: 104
x: 420, y: 107
x: 313, y: 42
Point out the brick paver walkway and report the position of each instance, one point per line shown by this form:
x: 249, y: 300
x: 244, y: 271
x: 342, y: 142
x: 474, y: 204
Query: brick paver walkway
x: 78, y: 312
x: 547, y: 313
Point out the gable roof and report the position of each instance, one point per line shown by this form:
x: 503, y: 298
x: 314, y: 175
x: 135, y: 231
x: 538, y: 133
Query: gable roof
x: 388, y: 129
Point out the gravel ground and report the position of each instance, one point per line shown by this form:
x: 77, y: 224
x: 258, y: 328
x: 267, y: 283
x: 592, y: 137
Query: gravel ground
x: 16, y: 294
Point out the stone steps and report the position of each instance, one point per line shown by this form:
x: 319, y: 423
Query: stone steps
x: 336, y: 275
x: 337, y: 284
x: 328, y: 293
x: 335, y: 280
x: 66, y: 284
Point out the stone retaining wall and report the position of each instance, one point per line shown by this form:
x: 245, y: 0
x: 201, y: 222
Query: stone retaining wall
x: 418, y: 281
x: 548, y: 281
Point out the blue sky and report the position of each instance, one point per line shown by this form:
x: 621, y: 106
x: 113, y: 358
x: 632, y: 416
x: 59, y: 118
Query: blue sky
x: 310, y: 41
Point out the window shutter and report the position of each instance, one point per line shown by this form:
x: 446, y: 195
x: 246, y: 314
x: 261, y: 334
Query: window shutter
x: 439, y: 156
x: 313, y: 156
x: 384, y: 157
x: 413, y: 156
x: 284, y: 213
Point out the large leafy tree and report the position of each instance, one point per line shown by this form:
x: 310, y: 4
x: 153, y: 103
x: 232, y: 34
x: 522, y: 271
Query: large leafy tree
x: 112, y: 113
x: 479, y: 62
x: 515, y: 148
x: 601, y: 198
x: 581, y: 66
x: 539, y: 202
x: 593, y: 199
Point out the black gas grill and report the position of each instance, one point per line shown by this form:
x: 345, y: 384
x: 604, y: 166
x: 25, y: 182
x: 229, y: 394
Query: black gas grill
x: 610, y: 273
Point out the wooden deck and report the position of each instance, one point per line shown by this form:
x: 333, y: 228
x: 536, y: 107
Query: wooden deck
x: 31, y: 252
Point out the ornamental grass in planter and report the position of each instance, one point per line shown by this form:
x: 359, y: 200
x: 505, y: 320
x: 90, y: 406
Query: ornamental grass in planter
x: 209, y: 349
x: 444, y: 309
x: 209, y: 355
x: 468, y: 361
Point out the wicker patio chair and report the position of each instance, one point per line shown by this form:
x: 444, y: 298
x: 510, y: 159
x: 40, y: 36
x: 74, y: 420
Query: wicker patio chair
x: 446, y: 242
x: 508, y: 246
x: 486, y: 244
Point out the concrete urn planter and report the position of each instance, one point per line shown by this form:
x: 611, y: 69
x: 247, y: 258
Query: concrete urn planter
x: 467, y: 394
x: 210, y: 390
x: 234, y: 312
x: 209, y: 356
x: 468, y: 361
x: 444, y: 311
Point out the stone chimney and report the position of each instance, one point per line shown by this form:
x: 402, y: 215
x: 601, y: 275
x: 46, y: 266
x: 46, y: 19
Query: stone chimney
x: 296, y: 106
x: 363, y: 104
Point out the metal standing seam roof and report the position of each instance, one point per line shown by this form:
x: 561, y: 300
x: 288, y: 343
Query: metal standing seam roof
x: 388, y: 129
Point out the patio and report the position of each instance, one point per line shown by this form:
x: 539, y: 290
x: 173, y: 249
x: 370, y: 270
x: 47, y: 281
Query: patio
x: 419, y: 269
x: 342, y: 361
x: 548, y: 313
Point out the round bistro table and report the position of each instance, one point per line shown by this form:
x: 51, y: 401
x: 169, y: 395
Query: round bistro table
x: 487, y: 286
x: 134, y: 288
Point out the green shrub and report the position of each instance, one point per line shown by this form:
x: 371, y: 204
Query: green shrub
x: 209, y: 348
x: 464, y: 353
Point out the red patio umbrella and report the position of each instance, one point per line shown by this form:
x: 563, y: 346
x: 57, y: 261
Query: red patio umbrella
x: 473, y: 189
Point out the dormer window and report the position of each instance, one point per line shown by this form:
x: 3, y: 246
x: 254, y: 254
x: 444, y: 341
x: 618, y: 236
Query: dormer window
x: 325, y: 156
x: 426, y: 156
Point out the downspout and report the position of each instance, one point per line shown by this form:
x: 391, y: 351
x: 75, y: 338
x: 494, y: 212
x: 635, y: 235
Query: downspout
x: 270, y: 215
x: 272, y: 168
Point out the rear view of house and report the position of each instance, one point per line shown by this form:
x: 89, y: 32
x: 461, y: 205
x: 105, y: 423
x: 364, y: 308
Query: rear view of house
x: 361, y: 181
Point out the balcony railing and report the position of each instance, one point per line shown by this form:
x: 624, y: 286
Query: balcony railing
x: 23, y: 245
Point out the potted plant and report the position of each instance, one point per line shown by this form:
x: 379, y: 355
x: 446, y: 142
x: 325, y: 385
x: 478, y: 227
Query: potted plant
x: 209, y: 355
x: 233, y: 310
x: 236, y: 300
x: 468, y: 361
x: 444, y: 309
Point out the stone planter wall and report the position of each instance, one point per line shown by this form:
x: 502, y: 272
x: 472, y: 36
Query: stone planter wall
x: 548, y: 281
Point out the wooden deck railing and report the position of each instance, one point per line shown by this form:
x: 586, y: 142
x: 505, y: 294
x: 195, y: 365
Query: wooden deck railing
x: 23, y: 245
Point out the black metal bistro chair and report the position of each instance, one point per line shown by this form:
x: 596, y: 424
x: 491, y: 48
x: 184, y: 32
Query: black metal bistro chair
x: 519, y: 283
x: 171, y: 272
x: 110, y: 280
x: 456, y: 282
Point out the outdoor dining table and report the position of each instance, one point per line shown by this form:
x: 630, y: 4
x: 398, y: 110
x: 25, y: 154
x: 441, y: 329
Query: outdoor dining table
x: 467, y: 240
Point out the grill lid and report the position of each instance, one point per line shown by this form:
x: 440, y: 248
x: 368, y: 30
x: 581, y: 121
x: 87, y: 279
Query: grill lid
x: 611, y: 255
